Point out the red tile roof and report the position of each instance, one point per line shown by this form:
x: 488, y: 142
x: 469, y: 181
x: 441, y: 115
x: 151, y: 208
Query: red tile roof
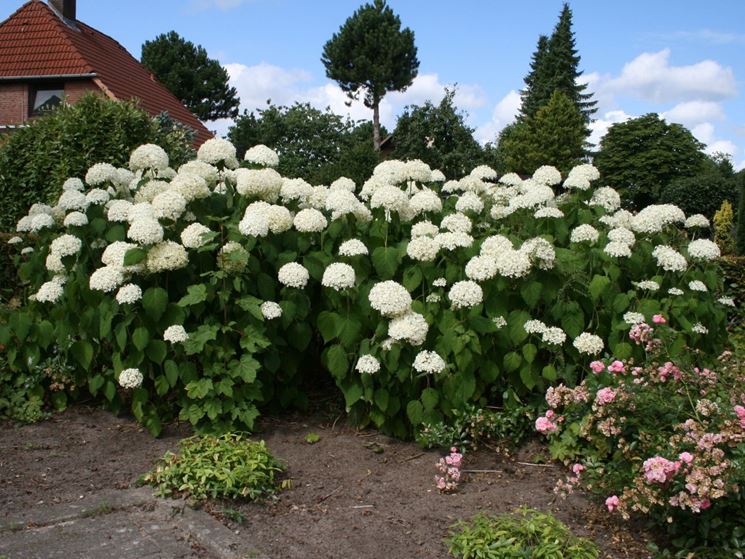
x: 36, y: 42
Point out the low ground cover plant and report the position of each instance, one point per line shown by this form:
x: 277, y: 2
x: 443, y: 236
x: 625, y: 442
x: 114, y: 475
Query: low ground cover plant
x: 227, y: 466
x: 524, y: 533
x: 662, y: 437
x: 209, y: 292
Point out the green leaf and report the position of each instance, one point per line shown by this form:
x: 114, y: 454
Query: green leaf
x: 531, y: 293
x: 95, y: 383
x: 213, y: 407
x: 353, y: 394
x: 171, y: 372
x: 597, y: 286
x: 466, y: 386
x: 109, y: 390
x: 573, y: 323
x: 140, y: 338
x: 161, y: 385
x: 44, y: 333
x: 429, y: 398
x: 415, y: 412
x: 82, y: 351
x: 549, y: 373
x: 156, y: 351
x: 528, y: 378
x: 199, y: 388
x: 155, y: 301
x: 247, y: 368
x: 385, y: 260
x: 381, y: 399
x: 516, y: 326
x: 529, y: 352
x: 338, y: 363
x: 121, y: 336
x: 412, y: 278
x: 622, y: 351
x: 252, y: 305
x: 195, y: 294
x: 327, y: 325
x: 134, y: 256
x: 512, y: 361
x: 489, y: 371
x: 196, y: 341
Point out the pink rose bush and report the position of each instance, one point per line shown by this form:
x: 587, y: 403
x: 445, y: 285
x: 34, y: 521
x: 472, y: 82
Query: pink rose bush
x: 449, y: 473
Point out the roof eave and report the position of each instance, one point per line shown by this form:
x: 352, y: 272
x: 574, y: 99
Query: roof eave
x: 48, y: 77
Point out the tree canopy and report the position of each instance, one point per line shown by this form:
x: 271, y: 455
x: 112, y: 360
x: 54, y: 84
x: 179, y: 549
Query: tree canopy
x: 439, y: 136
x: 642, y: 156
x: 372, y: 54
x: 200, y: 82
x: 318, y: 146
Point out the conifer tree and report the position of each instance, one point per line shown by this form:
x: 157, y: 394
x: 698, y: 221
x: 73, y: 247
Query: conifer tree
x: 537, y: 80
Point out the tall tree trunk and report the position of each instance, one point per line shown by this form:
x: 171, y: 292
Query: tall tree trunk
x: 376, y: 125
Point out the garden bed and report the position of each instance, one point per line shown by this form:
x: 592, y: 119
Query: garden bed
x: 354, y: 493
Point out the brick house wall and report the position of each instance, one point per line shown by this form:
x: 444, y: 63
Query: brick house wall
x: 74, y: 90
x: 13, y: 103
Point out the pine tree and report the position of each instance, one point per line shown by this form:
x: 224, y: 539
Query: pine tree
x: 537, y: 80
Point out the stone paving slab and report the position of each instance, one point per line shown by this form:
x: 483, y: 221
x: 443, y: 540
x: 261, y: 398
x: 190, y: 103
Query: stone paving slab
x: 120, y: 525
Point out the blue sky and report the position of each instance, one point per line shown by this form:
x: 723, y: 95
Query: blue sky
x: 682, y: 59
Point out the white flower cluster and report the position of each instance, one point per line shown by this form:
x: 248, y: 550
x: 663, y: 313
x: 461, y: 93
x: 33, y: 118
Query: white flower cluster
x: 675, y: 291
x: 294, y: 275
x: 548, y: 175
x: 217, y: 150
x: 499, y: 322
x: 106, y: 279
x: 271, y: 310
x: 584, y: 233
x: 655, y: 218
x: 75, y: 219
x: 169, y: 205
x: 429, y: 362
x: 410, y: 327
x: 128, y: 294
x: 343, y: 183
x: 456, y: 223
x: 166, y: 256
x: 607, y: 198
x: 101, y: 173
x: 540, y: 252
x: 389, y: 298
x: 699, y: 328
x: 726, y: 301
x: 424, y: 229
x: 425, y: 201
x: 148, y: 156
x: 589, y: 344
x: 146, y: 231
x: 697, y: 285
x: 548, y: 212
x: 352, y: 247
x: 647, y: 285
x: 424, y: 249
x: 367, y: 364
x: 534, y: 327
x: 310, y: 221
x: 617, y: 249
x: 97, y: 197
x: 65, y: 245
x: 669, y: 259
x: 697, y: 220
x: 703, y: 249
x: 51, y: 291
x: 262, y: 155
x: 633, y: 318
x: 193, y: 236
x: 469, y: 202
x: 338, y: 276
x: 513, y: 263
x: 191, y: 186
x: 130, y: 378
x: 175, y: 334
x: 481, y: 268
x: 465, y: 294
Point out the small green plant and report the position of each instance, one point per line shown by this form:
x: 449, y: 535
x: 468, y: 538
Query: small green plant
x: 210, y: 466
x: 234, y: 515
x: 523, y: 533
x: 474, y: 427
x: 312, y: 438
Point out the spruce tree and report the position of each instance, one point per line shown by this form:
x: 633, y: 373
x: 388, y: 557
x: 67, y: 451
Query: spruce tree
x: 537, y: 80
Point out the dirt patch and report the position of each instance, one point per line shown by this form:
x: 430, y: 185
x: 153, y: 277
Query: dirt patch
x: 354, y: 493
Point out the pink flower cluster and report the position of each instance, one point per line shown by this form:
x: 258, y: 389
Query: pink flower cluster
x: 669, y: 369
x: 740, y: 412
x: 659, y: 470
x: 605, y: 396
x: 449, y: 471
x: 547, y: 424
x: 643, y: 334
x: 617, y: 367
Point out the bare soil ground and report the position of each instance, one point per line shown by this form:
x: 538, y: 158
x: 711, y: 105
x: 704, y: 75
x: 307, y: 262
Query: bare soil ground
x: 354, y: 493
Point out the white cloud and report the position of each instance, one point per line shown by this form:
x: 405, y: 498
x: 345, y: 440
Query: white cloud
x: 740, y: 166
x: 691, y: 113
x: 721, y: 146
x: 599, y: 127
x: 504, y: 113
x: 651, y: 77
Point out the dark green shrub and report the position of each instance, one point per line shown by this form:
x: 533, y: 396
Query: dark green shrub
x: 35, y: 161
x: 700, y: 194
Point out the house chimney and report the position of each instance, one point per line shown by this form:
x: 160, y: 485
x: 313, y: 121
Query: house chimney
x: 66, y: 8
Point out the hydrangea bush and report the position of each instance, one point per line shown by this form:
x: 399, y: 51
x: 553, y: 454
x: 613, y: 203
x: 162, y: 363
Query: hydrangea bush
x: 221, y: 283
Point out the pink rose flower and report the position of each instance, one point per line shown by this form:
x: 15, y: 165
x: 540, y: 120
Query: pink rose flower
x: 659, y: 319
x: 597, y: 367
x: 686, y: 457
x: 740, y: 411
x: 612, y: 503
x: 577, y: 469
x: 605, y: 396
x: 616, y: 367
x: 545, y: 425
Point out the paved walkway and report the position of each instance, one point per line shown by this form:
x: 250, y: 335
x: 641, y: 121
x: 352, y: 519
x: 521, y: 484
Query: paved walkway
x: 129, y: 524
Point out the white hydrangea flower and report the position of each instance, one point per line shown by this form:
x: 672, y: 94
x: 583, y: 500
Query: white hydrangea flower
x: 547, y: 174
x: 726, y: 301
x: 634, y: 318
x: 540, y: 252
x: 142, y: 210
x: 511, y: 179
x: 534, y: 327
x: 148, y: 156
x: 118, y: 211
x: 584, y: 233
x: 293, y: 274
x: 433, y: 298
x: 426, y: 200
x: 469, y: 202
x: 699, y: 328
x: 589, y: 344
x: 576, y: 182
x: 481, y: 268
x: 191, y: 186
x: 697, y: 220
x: 130, y: 378
x: 66, y: 245
x: 512, y: 263
x: 317, y: 198
x: 341, y: 202
x: 531, y: 198
x: 166, y: 256
x: 145, y: 231
x: 495, y: 245
x: 424, y: 229
x: 543, y: 213
x: 484, y: 172
x: 417, y: 170
x: 390, y: 198
x: 113, y: 254
x: 655, y: 218
x: 669, y: 259
x: 424, y: 249
x: 310, y: 221
x: 24, y: 224
x: 232, y: 257
x: 128, y: 294
x: 553, y: 335
x: 295, y: 190
x: 647, y: 285
x: 175, y: 334
x: 410, y: 327
x: 456, y: 223
x: 15, y: 240
x: 451, y: 186
x: 262, y: 155
x: 217, y: 150
x: 150, y: 190
x: 208, y: 172
x: 452, y: 241
x: 41, y: 221
x: 50, y: 292
x: 437, y: 176
x: 255, y: 222
x: 271, y: 310
x: 703, y: 249
x: 40, y: 208
x: 389, y: 298
x: 192, y: 235
x: 617, y: 249
x: 279, y: 219
x: 367, y: 364
x: 622, y: 218
x: 338, y: 276
x: 622, y: 235
x: 343, y: 183
x: 106, y: 279
x: 465, y: 294
x: 101, y: 173
x: 607, y: 198
x: 585, y: 170
x: 266, y: 184
x: 499, y: 321
x: 169, y: 205
x: 353, y: 247
x: 53, y: 262
x: 71, y: 200
x: 440, y: 282
x: 697, y: 285
x: 29, y: 250
x: 429, y: 362
x: 675, y: 291
x: 73, y: 183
